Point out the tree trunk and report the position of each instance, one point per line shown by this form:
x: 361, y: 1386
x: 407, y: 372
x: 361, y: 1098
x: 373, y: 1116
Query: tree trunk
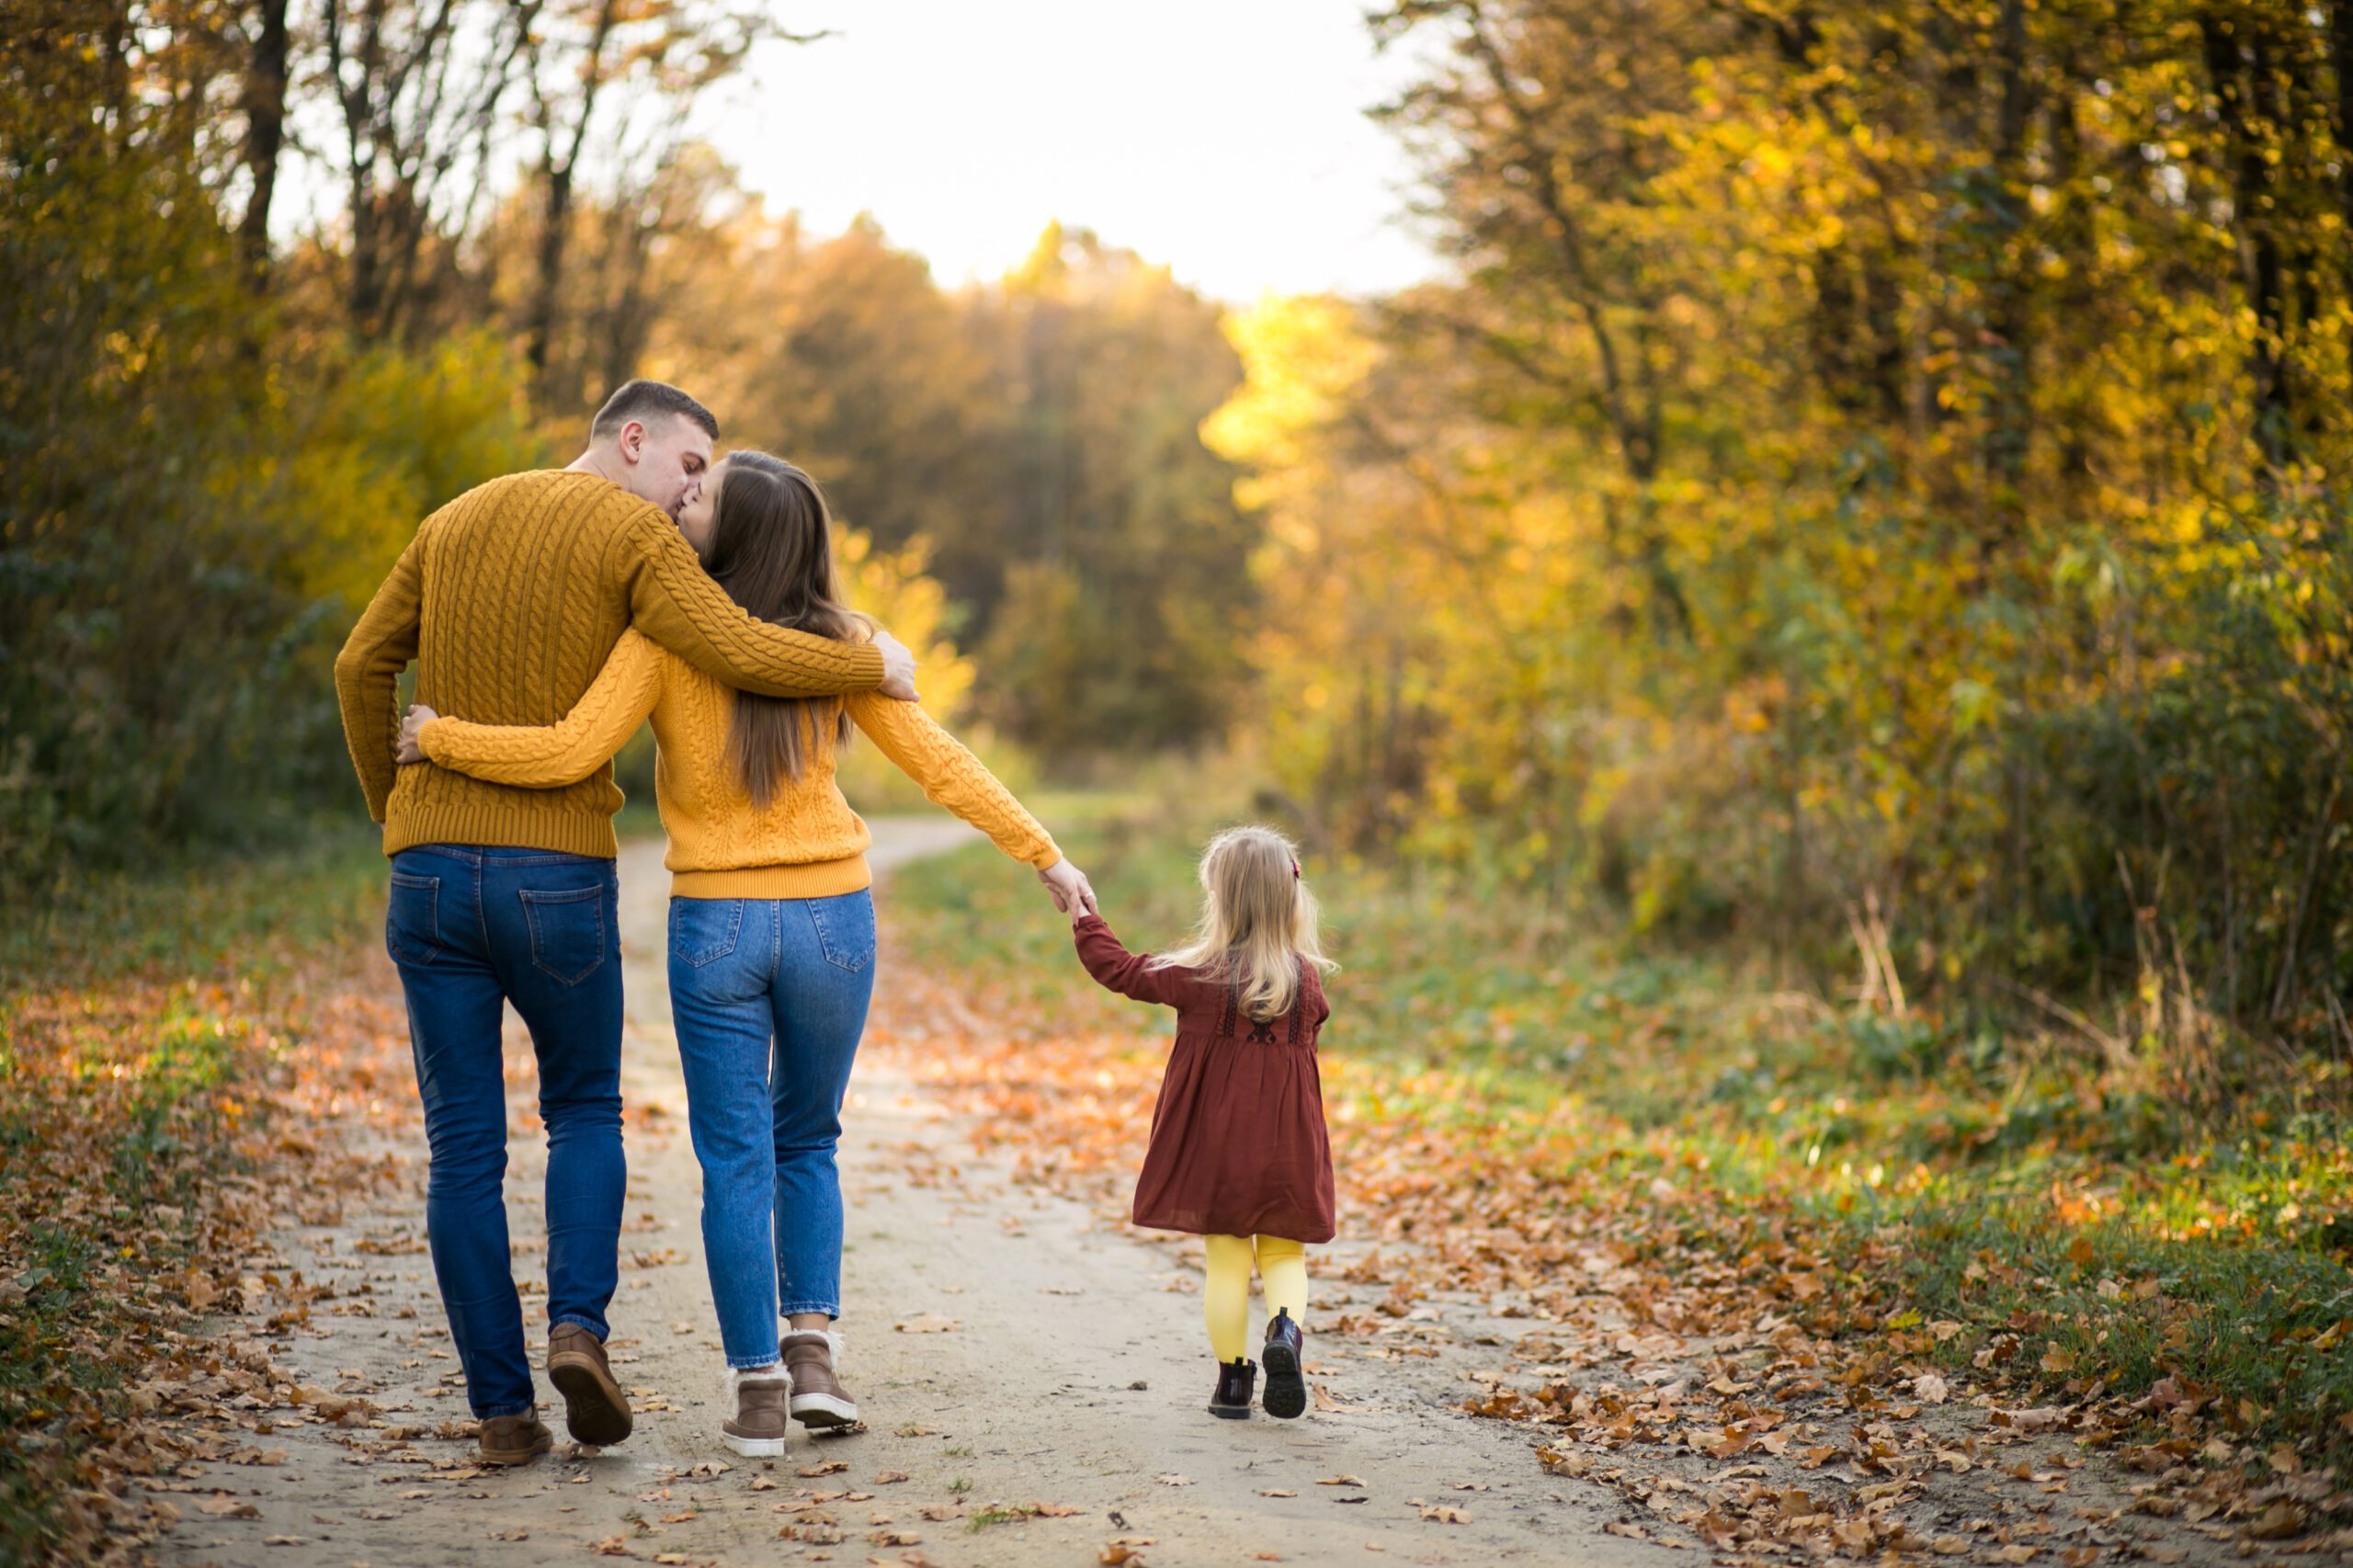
x: 2009, y: 315
x: 2234, y: 60
x: 541, y: 327
x: 265, y: 137
x: 2340, y: 51
x: 555, y: 237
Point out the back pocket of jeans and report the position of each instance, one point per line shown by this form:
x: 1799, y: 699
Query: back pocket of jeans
x: 844, y: 929
x: 413, y: 919
x: 567, y: 931
x: 704, y: 930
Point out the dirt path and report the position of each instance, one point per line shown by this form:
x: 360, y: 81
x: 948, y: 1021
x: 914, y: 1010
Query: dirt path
x: 1033, y: 1381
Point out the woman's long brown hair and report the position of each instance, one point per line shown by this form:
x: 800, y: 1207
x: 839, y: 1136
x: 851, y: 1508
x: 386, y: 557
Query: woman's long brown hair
x: 772, y: 548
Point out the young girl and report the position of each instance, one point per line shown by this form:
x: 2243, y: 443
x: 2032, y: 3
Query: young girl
x: 1238, y: 1155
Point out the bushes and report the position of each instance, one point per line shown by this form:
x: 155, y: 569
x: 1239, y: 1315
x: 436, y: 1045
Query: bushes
x: 177, y: 583
x: 2098, y: 788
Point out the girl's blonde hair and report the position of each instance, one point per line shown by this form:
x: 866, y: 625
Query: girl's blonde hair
x: 1258, y: 923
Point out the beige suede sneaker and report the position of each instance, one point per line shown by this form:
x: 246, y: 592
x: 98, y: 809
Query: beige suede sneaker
x: 762, y: 1418
x: 818, y: 1397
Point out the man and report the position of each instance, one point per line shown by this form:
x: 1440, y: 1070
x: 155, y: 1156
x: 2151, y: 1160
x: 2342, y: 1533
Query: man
x: 509, y: 599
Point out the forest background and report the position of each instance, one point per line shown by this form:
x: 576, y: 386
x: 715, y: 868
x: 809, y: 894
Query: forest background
x: 1855, y: 537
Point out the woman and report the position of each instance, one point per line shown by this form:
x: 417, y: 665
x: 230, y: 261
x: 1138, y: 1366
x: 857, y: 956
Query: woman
x: 771, y: 920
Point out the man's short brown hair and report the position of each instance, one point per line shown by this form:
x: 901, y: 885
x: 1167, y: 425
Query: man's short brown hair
x: 641, y: 401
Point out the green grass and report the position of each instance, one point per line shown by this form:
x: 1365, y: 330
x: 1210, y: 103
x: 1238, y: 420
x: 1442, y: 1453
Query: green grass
x: 2093, y: 1231
x: 2111, y: 1306
x: 198, y: 915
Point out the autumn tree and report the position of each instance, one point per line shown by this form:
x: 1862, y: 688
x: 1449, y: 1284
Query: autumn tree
x: 1873, y: 471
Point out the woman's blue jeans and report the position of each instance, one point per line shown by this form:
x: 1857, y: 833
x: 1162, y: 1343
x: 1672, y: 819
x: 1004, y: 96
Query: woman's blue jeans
x: 769, y: 997
x: 472, y: 928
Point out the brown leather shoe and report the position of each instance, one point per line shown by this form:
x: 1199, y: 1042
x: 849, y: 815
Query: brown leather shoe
x: 818, y: 1397
x: 594, y: 1410
x: 757, y: 1428
x: 514, y: 1439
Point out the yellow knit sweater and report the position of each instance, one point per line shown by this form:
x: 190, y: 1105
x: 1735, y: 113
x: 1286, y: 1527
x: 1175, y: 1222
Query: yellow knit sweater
x: 509, y: 599
x: 806, y: 843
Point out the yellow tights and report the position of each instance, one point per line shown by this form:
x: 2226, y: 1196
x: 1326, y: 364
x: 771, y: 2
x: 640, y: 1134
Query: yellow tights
x: 1226, y: 1299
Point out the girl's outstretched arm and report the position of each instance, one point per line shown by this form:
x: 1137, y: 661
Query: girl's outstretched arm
x: 1116, y: 968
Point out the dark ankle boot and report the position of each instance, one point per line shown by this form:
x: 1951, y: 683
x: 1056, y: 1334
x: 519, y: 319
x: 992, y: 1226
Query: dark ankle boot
x: 1236, y: 1378
x: 1286, y: 1389
x: 594, y: 1406
x: 514, y: 1439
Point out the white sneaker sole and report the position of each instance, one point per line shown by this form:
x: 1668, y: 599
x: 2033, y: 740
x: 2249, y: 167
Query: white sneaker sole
x: 754, y: 1447
x: 823, y: 1410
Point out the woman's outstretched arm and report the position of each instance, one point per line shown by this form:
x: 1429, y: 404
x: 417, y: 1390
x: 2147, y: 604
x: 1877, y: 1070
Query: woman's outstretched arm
x: 543, y: 757
x: 952, y: 777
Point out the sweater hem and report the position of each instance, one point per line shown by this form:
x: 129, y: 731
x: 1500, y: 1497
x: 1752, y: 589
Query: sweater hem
x: 814, y: 879
x: 561, y: 833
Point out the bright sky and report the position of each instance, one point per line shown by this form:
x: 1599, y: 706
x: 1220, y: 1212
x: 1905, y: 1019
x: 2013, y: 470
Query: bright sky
x: 1226, y: 138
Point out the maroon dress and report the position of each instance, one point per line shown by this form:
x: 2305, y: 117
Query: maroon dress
x: 1238, y: 1146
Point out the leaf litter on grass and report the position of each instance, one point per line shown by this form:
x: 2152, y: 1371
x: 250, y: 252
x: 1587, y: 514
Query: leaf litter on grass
x: 169, y: 1120
x: 1744, y: 1341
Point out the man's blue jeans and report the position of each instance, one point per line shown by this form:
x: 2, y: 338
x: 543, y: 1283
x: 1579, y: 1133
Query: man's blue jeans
x: 472, y: 928
x: 769, y: 998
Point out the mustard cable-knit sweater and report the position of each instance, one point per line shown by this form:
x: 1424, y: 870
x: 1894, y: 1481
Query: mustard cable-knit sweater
x: 806, y: 843
x: 509, y: 599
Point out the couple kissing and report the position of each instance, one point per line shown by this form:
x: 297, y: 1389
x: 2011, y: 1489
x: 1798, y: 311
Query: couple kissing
x: 549, y: 614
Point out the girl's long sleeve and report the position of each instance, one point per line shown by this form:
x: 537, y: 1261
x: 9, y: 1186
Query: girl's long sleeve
x: 1116, y: 968
x: 951, y: 776
x: 544, y: 756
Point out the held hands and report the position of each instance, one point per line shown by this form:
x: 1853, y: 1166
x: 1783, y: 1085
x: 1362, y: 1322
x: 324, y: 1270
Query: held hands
x: 898, y: 666
x: 413, y: 725
x: 1068, y: 887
